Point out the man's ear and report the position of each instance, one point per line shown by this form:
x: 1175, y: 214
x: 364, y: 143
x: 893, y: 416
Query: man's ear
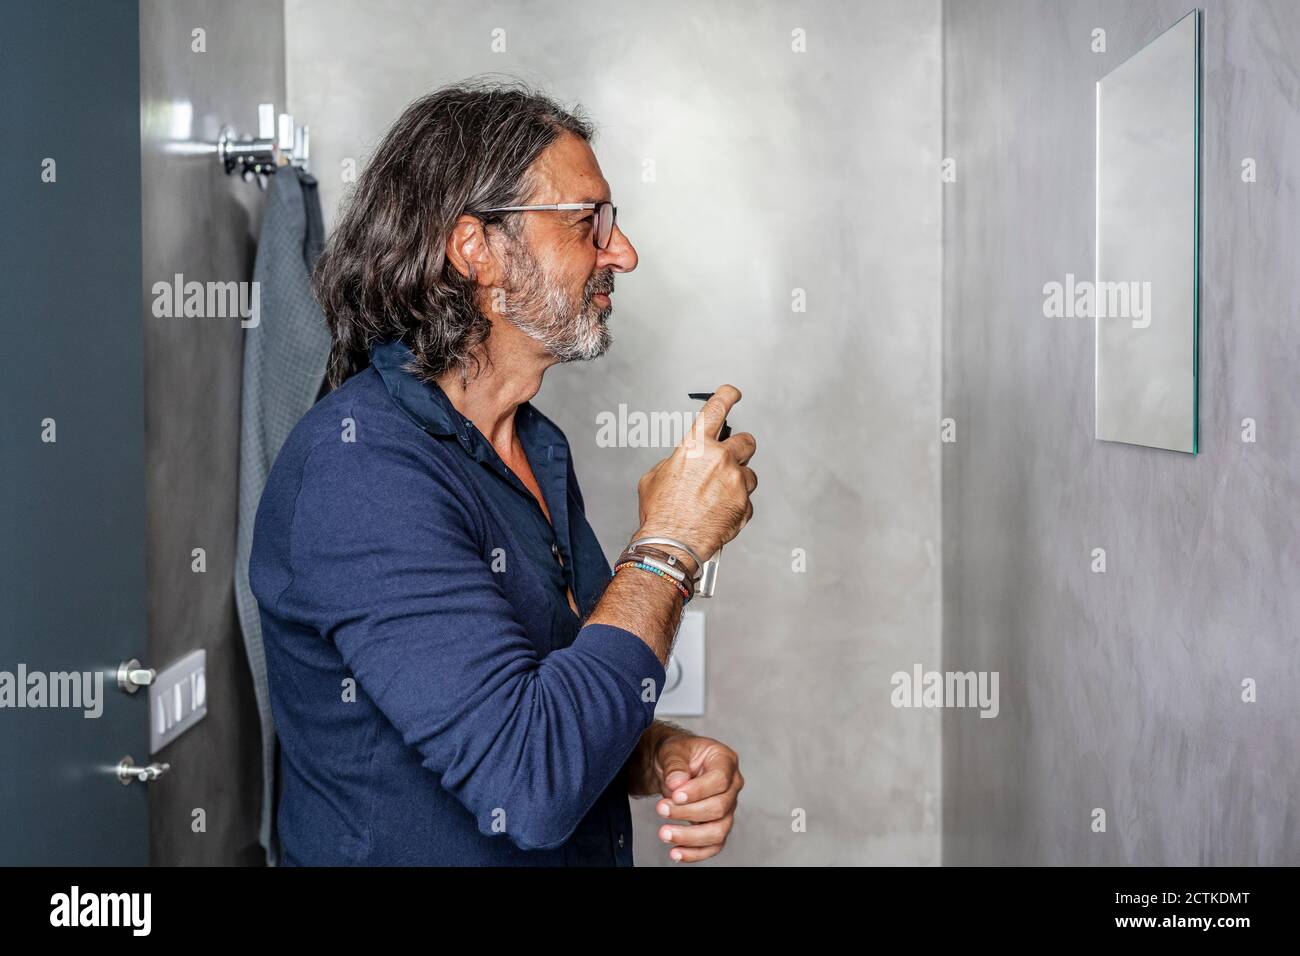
x: 469, y: 253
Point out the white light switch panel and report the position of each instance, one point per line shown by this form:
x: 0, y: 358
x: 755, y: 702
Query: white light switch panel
x: 178, y: 699
x: 683, y: 693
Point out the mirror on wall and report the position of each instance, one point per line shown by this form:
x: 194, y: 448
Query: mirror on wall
x: 1145, y: 295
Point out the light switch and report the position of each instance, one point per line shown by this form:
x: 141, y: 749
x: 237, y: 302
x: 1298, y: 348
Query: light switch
x: 177, y: 699
x: 683, y: 693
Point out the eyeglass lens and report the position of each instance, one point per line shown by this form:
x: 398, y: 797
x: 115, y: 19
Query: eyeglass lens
x: 604, y: 224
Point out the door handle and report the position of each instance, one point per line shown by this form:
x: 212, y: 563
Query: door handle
x: 128, y: 771
x: 131, y: 676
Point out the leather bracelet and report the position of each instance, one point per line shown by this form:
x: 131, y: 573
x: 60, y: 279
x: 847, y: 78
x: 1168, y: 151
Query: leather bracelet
x: 674, y: 543
x: 681, y: 588
x: 670, y: 562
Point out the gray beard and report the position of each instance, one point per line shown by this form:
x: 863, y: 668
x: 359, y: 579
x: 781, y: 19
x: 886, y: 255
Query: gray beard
x: 543, y: 310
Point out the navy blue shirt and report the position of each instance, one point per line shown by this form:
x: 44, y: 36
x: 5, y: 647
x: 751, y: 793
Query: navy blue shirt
x: 437, y: 700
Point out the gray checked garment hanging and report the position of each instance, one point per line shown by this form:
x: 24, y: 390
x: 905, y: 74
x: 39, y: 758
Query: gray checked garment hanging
x: 284, y: 365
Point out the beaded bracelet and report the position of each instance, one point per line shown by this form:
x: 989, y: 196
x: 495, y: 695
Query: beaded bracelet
x: 681, y: 588
x: 670, y: 568
x: 686, y: 595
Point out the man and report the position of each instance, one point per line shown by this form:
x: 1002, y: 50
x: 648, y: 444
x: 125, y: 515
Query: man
x: 455, y: 676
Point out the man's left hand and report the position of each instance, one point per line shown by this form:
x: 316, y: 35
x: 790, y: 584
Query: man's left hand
x: 701, y: 781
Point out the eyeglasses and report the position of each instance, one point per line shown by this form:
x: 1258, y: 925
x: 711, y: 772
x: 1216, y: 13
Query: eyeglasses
x: 606, y: 213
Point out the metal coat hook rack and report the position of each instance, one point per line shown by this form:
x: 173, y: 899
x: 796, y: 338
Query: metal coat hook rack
x: 275, y: 145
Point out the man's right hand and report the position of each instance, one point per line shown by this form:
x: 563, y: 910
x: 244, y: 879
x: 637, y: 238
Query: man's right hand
x: 699, y: 494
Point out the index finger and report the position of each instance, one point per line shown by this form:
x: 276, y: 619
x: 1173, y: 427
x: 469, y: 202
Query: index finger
x: 714, y: 413
x: 706, y: 785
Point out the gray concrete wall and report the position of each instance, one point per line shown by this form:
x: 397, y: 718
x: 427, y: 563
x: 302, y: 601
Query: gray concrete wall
x: 203, y: 224
x: 1120, y: 690
x: 774, y: 171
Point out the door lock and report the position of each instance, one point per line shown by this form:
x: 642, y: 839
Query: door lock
x: 128, y: 771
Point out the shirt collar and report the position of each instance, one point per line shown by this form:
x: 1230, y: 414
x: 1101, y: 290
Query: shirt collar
x: 423, y: 401
x: 433, y: 411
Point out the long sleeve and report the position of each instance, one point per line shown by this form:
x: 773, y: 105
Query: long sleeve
x: 402, y: 583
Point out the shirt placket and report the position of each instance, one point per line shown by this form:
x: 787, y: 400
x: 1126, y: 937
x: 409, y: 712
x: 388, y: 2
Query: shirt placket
x: 551, y: 471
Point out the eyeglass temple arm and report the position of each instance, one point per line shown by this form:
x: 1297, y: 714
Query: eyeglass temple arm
x: 554, y: 205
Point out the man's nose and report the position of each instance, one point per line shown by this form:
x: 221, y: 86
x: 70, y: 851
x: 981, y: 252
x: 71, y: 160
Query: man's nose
x: 618, y: 255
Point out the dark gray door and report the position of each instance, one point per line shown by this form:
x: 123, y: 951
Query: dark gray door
x: 72, y: 561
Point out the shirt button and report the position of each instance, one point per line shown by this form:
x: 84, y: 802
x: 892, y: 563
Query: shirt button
x: 555, y: 548
x: 620, y: 841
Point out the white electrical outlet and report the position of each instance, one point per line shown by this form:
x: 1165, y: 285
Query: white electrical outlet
x: 683, y: 693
